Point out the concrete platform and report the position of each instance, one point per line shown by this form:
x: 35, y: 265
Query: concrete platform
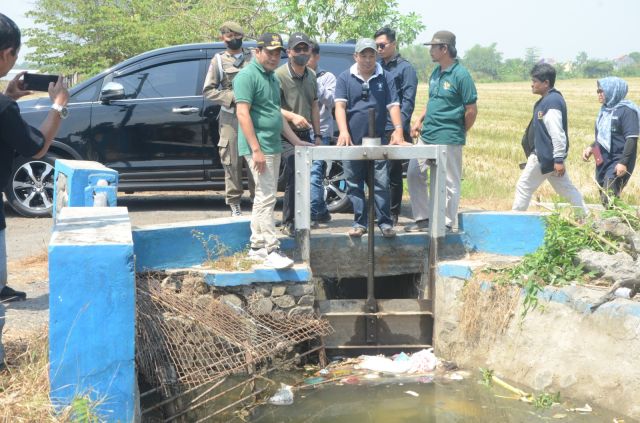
x: 298, y: 273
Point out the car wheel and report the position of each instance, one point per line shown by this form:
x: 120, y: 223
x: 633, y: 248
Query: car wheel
x: 335, y: 188
x: 30, y: 189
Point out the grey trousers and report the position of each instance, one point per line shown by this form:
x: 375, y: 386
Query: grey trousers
x: 532, y: 177
x: 418, y: 185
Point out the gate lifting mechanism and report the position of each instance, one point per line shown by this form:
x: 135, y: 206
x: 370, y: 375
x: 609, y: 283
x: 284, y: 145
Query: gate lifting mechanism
x: 371, y: 324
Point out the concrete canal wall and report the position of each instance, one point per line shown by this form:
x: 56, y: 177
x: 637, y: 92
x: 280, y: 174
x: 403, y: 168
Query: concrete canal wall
x: 558, y: 347
x: 94, y: 254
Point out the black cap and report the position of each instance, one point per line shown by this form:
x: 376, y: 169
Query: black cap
x: 297, y: 38
x: 270, y: 41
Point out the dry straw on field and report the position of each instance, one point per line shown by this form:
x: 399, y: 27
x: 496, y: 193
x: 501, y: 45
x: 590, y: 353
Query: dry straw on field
x: 493, y: 151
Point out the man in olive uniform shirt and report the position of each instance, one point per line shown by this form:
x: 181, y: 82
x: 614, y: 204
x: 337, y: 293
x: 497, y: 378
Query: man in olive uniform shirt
x: 299, y: 103
x: 218, y: 88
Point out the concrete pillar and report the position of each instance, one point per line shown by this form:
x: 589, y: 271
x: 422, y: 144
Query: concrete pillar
x: 92, y: 311
x: 80, y: 183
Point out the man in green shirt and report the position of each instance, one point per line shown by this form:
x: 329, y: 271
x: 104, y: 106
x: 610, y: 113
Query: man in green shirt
x: 257, y: 94
x: 450, y: 113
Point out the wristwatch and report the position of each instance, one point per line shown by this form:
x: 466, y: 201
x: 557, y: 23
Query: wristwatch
x: 63, y: 112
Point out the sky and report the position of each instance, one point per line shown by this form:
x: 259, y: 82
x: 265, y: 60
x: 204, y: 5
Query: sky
x: 559, y: 29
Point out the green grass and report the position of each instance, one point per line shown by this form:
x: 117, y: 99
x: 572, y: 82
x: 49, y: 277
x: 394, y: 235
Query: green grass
x: 493, y: 151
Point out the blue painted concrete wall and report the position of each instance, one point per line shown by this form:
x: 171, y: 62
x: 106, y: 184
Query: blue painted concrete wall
x: 507, y: 233
x: 92, y: 311
x: 174, y: 246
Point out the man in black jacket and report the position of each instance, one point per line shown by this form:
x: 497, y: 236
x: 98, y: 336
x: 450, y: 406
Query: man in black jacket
x: 406, y: 81
x: 16, y: 137
x: 551, y: 144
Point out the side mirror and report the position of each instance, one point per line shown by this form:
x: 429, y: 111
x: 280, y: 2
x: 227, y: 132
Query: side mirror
x: 112, y: 91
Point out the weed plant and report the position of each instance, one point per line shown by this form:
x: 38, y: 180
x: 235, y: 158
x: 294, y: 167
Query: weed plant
x: 218, y: 256
x: 555, y: 262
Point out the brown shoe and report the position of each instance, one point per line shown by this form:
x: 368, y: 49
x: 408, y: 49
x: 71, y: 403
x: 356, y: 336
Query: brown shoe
x: 357, y: 232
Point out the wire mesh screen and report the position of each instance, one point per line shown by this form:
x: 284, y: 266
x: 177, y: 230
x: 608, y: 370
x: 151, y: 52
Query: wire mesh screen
x: 185, y: 340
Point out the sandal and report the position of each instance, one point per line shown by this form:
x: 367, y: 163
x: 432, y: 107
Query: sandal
x: 357, y: 232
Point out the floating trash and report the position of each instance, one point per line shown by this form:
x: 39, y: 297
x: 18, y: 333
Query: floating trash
x: 283, y: 396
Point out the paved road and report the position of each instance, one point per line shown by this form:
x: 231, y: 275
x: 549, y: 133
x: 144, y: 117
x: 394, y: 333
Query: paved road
x: 27, y: 237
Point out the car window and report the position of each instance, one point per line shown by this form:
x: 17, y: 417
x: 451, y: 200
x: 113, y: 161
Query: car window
x: 176, y: 79
x: 88, y: 93
x: 336, y: 64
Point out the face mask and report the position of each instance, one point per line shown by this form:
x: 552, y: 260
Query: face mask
x: 234, y: 44
x: 301, y: 59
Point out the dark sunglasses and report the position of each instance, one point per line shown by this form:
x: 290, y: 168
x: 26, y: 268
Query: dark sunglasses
x: 300, y: 49
x: 365, y: 91
x: 381, y: 46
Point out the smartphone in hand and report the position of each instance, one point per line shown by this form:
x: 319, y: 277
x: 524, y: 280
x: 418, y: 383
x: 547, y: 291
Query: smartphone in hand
x: 597, y: 154
x: 38, y: 82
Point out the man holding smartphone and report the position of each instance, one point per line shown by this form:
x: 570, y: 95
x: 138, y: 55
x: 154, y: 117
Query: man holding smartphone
x: 17, y: 137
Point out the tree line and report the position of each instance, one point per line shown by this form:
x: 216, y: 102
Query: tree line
x: 88, y: 36
x: 486, y: 64
x: 84, y: 37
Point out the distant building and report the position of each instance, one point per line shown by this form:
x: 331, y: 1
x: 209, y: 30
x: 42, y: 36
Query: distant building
x: 623, y: 61
x: 549, y: 60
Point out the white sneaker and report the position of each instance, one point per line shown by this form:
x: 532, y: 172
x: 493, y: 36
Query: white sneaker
x: 277, y: 260
x: 235, y: 210
x: 259, y: 255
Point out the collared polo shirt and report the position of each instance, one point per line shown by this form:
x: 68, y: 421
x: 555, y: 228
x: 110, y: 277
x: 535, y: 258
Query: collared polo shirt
x: 261, y: 89
x: 450, y: 90
x: 297, y: 94
x: 382, y: 94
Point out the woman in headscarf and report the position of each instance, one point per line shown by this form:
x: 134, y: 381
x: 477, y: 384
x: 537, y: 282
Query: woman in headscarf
x: 615, y: 147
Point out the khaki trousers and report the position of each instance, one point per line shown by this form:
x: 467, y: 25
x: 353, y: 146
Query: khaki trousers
x: 263, y: 227
x: 232, y: 163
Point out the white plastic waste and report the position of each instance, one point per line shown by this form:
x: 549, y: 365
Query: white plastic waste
x: 283, y: 396
x: 623, y: 292
x: 378, y: 363
x: 423, y: 361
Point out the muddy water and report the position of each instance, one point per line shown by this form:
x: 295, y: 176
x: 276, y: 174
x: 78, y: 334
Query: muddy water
x: 440, y: 401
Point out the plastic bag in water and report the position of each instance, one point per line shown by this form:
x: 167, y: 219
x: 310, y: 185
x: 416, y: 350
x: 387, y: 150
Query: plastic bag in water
x: 283, y: 396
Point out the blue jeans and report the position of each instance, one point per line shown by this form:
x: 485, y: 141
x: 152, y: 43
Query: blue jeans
x: 355, y: 172
x: 318, y: 168
x: 3, y: 282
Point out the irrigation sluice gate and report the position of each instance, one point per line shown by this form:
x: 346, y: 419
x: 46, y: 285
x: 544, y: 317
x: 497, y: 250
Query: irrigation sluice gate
x: 393, y: 323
